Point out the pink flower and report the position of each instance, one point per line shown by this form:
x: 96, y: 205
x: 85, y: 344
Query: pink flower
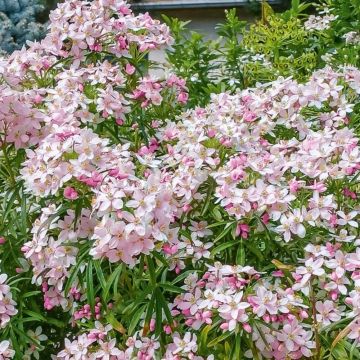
x: 129, y: 69
x: 249, y: 116
x: 190, y: 302
x: 338, y: 263
x: 108, y: 350
x: 327, y: 312
x: 233, y: 310
x: 264, y: 301
x: 354, y: 330
x: 349, y: 193
x: 294, y: 185
x: 7, y: 304
x: 6, y: 352
x: 347, y: 218
x: 311, y: 268
x: 183, y: 97
x: 186, y: 344
x: 242, y: 230
x: 295, y: 338
x: 70, y: 193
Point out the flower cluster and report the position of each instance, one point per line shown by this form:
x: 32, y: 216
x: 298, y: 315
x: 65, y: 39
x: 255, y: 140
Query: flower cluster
x: 240, y: 296
x: 259, y: 176
x: 7, y: 304
x: 98, y: 344
x: 320, y: 23
x: 352, y: 37
x: 83, y: 93
x: 6, y: 352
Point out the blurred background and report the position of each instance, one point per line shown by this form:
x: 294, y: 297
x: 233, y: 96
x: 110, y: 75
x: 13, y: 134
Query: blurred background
x: 204, y: 14
x: 22, y: 20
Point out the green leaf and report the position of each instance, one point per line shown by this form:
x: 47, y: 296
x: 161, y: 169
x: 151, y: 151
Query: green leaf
x: 151, y: 268
x: 172, y: 288
x: 100, y: 274
x: 149, y: 313
x: 217, y: 224
x: 295, y: 7
x: 240, y: 255
x: 219, y: 338
x: 254, y: 250
x: 227, y: 229
x: 23, y: 214
x: 135, y: 319
x: 114, y: 277
x: 183, y: 276
x: 208, y: 197
x: 165, y: 306
x: 74, y: 272
x: 31, y: 293
x: 339, y: 351
x: 353, y: 350
x: 224, y: 246
x: 15, y: 343
x: 160, y: 258
x: 203, y: 340
x: 22, y: 335
x: 10, y: 203
x: 236, y: 353
x: 158, y: 312
x: 35, y: 315
x: 110, y: 317
x: 90, y: 293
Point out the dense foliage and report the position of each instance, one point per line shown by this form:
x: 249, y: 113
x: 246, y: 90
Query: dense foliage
x: 285, y: 44
x: 207, y: 213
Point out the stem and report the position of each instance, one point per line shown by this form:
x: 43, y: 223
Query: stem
x: 313, y: 310
x: 8, y: 165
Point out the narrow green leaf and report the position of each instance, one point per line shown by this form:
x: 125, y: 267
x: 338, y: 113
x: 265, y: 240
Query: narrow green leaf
x: 149, y: 313
x: 158, y: 312
x: 23, y: 335
x: 31, y: 293
x: 74, y: 272
x: 219, y: 223
x: 35, y: 315
x: 183, y: 276
x: 254, y: 250
x: 160, y: 258
x: 114, y: 277
x: 203, y: 339
x: 151, y: 268
x: 219, y: 338
x: 100, y: 274
x: 172, y: 288
x: 110, y: 317
x: 90, y: 293
x: 135, y: 319
x: 227, y: 229
x: 224, y: 246
x: 165, y: 306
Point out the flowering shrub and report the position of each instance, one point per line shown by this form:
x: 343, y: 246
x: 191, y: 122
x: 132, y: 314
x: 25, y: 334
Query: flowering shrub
x: 132, y: 228
x: 290, y: 43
